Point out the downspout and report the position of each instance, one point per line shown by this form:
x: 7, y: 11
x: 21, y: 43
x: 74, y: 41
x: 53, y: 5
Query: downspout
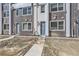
x: 71, y: 29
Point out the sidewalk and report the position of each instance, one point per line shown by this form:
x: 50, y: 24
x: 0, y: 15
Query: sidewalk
x: 7, y: 38
x: 36, y: 49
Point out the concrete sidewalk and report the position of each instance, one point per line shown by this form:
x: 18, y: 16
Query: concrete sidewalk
x: 36, y: 49
x: 7, y: 38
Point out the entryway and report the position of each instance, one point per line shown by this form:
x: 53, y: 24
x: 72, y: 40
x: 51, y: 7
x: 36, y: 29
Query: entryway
x: 17, y: 28
x: 42, y: 28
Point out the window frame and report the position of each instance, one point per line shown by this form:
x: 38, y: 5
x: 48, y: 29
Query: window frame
x: 6, y: 11
x: 57, y: 8
x: 57, y: 25
x: 22, y: 11
x: 6, y: 24
x: 41, y: 10
x: 27, y: 26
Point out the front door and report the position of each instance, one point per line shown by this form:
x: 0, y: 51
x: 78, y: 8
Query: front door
x: 42, y: 28
x: 17, y: 28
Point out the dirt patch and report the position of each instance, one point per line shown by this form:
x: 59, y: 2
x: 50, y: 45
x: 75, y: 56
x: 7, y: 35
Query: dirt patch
x: 61, y: 47
x: 4, y: 36
x: 15, y: 46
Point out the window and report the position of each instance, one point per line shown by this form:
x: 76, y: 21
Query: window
x: 5, y: 6
x: 60, y: 6
x: 27, y: 26
x: 57, y: 25
x: 54, y: 25
x: 6, y: 26
x: 56, y: 6
x: 19, y: 11
x: 5, y: 10
x: 60, y: 25
x: 5, y: 13
x: 42, y: 8
x: 29, y: 10
x: 24, y: 11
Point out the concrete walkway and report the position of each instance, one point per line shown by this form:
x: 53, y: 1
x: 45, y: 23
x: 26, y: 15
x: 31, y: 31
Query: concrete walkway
x: 7, y: 38
x: 36, y: 49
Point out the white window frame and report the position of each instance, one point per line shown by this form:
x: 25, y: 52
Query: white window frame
x: 58, y: 25
x: 41, y: 8
x: 57, y: 8
x: 27, y: 26
x: 31, y: 10
x: 6, y: 29
x: 5, y: 10
x: 27, y: 11
x: 18, y: 9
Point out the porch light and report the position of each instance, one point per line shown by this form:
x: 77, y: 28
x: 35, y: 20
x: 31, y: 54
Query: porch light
x: 26, y: 20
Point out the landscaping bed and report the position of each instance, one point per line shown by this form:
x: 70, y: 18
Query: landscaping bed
x: 16, y: 46
x: 61, y: 47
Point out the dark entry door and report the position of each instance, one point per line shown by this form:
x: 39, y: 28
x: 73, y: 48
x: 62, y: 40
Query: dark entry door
x: 42, y: 28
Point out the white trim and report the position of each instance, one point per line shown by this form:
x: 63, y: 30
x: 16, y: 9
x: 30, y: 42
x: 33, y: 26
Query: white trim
x: 57, y: 8
x: 42, y: 9
x: 10, y: 26
x: 0, y: 18
x: 67, y: 19
x: 27, y: 26
x: 22, y: 11
x: 6, y: 29
x: 57, y: 25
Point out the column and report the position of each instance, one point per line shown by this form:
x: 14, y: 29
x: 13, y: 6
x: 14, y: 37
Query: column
x: 0, y: 18
x: 10, y: 29
x: 67, y: 19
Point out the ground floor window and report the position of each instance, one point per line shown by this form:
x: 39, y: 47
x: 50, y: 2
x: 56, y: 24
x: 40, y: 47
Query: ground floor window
x: 57, y: 25
x: 27, y: 26
x: 6, y: 26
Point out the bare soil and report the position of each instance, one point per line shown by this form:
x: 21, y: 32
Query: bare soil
x: 61, y: 47
x: 16, y: 46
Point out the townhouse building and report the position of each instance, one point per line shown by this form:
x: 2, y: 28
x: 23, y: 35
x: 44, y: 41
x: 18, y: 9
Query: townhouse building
x: 43, y: 19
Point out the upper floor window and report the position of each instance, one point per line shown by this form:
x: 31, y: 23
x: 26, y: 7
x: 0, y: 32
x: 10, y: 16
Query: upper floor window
x: 6, y: 6
x: 6, y: 13
x: 24, y: 11
x: 5, y: 10
x: 19, y: 12
x: 29, y: 10
x: 56, y: 6
x: 42, y: 8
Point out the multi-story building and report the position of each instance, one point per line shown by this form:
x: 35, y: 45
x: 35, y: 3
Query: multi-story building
x: 44, y: 19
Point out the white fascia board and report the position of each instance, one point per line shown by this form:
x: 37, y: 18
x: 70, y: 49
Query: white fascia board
x: 20, y: 5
